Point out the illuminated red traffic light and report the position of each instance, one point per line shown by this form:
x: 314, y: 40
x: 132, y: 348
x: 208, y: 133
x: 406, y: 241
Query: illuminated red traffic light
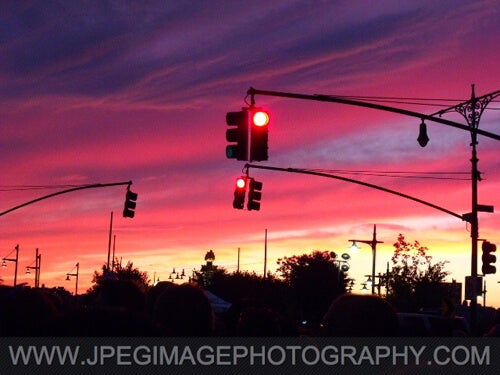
x: 240, y: 193
x: 259, y: 134
x: 260, y: 118
x: 240, y: 183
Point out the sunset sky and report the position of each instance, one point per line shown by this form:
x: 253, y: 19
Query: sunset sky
x: 111, y: 91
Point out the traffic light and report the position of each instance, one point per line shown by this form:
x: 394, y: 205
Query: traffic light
x: 488, y: 258
x: 240, y: 192
x: 238, y: 136
x: 259, y: 134
x: 254, y: 195
x: 130, y: 203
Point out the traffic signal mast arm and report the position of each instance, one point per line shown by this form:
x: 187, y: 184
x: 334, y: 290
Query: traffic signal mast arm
x: 471, y: 110
x: 358, y: 103
x: 305, y: 171
x: 93, y: 186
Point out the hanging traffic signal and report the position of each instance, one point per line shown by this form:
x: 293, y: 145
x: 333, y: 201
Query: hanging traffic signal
x: 259, y: 134
x: 238, y: 136
x: 130, y: 203
x: 239, y: 193
x: 254, y: 195
x: 488, y: 258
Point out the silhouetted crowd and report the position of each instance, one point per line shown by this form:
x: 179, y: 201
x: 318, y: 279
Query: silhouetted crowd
x: 121, y: 308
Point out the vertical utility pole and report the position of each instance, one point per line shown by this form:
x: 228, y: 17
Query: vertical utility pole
x: 387, y: 282
x: 76, y: 274
x: 484, y: 294
x: 36, y: 267
x: 373, y: 244
x: 39, y: 258
x: 17, y: 260
x: 238, y: 269
x: 472, y: 110
x: 109, y: 241
x: 113, y: 259
x: 265, y: 255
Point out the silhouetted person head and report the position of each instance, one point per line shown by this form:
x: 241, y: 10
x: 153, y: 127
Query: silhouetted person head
x: 357, y: 315
x: 184, y: 311
x: 121, y: 294
x: 155, y: 292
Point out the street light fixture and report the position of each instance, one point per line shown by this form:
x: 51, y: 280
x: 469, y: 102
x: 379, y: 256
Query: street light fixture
x: 176, y: 275
x: 77, y: 266
x: 423, y: 138
x: 369, y: 281
x: 15, y: 260
x: 373, y: 243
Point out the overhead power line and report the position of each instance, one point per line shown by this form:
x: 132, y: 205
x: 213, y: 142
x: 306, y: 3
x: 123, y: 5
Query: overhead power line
x: 399, y: 174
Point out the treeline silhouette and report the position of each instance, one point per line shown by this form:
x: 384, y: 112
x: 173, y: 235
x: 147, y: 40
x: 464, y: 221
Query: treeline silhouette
x: 125, y: 308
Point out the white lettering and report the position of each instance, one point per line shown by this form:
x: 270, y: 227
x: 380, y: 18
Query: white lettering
x: 396, y: 355
x: 205, y: 359
x: 418, y: 353
x: 254, y: 354
x: 316, y: 353
x: 142, y: 355
x: 347, y: 352
x: 330, y: 359
x: 437, y: 359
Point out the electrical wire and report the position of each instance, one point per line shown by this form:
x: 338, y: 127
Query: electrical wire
x: 397, y: 174
x: 35, y: 187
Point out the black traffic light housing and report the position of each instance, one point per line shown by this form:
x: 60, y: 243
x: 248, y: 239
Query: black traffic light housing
x: 259, y: 134
x: 130, y: 203
x: 254, y: 195
x: 240, y: 191
x: 488, y: 258
x: 237, y: 135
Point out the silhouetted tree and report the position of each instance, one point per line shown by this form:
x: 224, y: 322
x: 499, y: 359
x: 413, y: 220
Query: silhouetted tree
x: 316, y: 280
x: 127, y: 273
x: 239, y: 286
x: 260, y: 304
x: 414, y: 281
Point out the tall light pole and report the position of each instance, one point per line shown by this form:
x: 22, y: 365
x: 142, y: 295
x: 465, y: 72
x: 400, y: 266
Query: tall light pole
x: 76, y: 275
x: 373, y: 244
x: 472, y: 110
x: 36, y: 267
x: 15, y: 260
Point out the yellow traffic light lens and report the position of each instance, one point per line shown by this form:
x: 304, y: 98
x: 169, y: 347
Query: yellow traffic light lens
x: 260, y: 118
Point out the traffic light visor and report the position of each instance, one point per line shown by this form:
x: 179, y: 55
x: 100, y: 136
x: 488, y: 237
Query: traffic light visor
x: 131, y: 195
x: 234, y: 118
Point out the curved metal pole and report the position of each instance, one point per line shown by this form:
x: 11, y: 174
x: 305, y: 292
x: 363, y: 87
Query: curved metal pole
x: 358, y: 103
x: 63, y: 192
x: 304, y: 171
